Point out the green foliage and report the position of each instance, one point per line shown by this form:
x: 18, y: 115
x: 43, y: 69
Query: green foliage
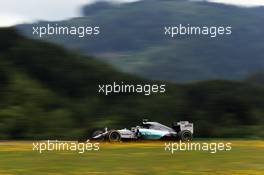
x: 50, y: 93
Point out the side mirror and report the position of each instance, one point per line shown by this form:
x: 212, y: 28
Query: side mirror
x: 145, y: 120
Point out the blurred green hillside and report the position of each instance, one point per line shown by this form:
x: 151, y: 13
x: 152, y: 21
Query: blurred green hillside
x: 132, y: 39
x: 48, y: 92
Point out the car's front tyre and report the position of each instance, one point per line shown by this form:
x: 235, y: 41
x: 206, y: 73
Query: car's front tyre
x: 114, y: 136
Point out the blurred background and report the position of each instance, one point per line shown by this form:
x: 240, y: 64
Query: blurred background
x: 48, y: 87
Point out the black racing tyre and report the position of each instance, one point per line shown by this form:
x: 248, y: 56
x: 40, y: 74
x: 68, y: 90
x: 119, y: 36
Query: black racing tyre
x: 98, y: 132
x: 114, y: 136
x: 185, y: 136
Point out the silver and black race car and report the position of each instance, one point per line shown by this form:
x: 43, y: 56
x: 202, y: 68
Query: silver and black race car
x: 182, y: 130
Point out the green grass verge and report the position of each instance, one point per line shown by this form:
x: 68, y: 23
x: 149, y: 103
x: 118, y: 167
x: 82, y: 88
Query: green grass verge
x: 246, y: 157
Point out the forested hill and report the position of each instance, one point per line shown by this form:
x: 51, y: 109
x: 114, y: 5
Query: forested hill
x: 48, y: 92
x: 132, y: 38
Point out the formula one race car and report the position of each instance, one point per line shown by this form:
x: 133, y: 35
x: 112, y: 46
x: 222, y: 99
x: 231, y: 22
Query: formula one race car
x: 182, y: 130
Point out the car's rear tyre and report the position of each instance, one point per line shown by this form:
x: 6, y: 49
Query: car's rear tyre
x: 96, y: 133
x: 185, y: 136
x: 114, y: 136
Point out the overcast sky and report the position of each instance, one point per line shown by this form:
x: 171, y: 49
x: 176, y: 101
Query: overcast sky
x: 243, y: 3
x: 20, y: 11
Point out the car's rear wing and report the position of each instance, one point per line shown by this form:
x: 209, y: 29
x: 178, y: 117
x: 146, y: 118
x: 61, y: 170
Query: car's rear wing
x: 183, y: 125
